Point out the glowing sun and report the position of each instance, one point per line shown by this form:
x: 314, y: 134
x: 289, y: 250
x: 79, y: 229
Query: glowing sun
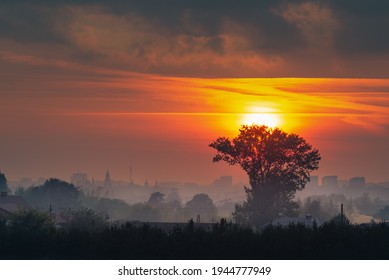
x: 270, y: 120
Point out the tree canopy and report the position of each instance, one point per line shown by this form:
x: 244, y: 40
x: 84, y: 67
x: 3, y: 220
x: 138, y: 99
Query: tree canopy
x: 156, y: 199
x: 3, y: 183
x: 277, y: 163
x: 201, y: 206
x: 58, y: 193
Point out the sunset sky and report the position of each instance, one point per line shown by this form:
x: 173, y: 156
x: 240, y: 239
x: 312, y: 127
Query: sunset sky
x: 97, y: 85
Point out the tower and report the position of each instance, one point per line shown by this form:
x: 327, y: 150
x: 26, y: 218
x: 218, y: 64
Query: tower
x: 107, y: 180
x: 131, y: 180
x: 146, y: 184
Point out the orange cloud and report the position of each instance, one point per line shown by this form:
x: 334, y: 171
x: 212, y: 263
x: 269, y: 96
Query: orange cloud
x: 140, y: 44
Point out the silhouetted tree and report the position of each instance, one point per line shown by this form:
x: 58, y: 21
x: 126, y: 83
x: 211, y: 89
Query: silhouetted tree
x: 340, y: 219
x: 366, y: 205
x: 3, y: 183
x: 116, y: 209
x: 58, y: 193
x: 277, y: 164
x: 87, y: 220
x: 319, y: 208
x: 312, y: 207
x: 20, y: 191
x: 201, y: 206
x: 30, y: 220
x: 172, y: 212
x: 156, y: 199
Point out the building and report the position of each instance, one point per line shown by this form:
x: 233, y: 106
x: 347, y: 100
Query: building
x: 223, y: 181
x: 330, y: 181
x: 357, y: 182
x: 107, y: 180
x: 79, y: 179
x: 11, y: 204
x: 313, y: 182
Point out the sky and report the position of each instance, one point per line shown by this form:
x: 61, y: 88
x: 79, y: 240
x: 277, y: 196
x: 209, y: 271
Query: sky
x: 97, y: 85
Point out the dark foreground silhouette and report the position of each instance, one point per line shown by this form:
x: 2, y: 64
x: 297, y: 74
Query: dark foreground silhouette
x: 221, y: 241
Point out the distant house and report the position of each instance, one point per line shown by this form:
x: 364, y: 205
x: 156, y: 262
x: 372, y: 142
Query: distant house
x: 11, y: 204
x: 308, y: 221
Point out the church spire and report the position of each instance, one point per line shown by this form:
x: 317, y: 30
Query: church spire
x: 107, y: 181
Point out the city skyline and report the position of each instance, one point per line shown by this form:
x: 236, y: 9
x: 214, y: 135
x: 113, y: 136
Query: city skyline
x: 81, y: 178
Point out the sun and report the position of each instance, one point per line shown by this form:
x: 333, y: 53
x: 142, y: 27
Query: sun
x: 269, y: 119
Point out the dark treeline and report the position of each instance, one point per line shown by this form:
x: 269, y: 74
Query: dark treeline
x: 31, y: 236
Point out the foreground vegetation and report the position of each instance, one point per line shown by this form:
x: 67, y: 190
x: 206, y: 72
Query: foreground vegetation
x: 31, y: 236
x: 66, y: 224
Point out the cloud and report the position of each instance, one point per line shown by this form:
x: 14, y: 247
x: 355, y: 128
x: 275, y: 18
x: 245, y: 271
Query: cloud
x: 316, y: 21
x: 19, y: 58
x: 364, y: 28
x: 205, y: 38
x: 133, y: 42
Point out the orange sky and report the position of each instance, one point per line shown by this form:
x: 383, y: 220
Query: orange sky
x: 92, y: 85
x: 56, y: 124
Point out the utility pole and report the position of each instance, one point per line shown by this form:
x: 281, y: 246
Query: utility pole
x: 131, y: 180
